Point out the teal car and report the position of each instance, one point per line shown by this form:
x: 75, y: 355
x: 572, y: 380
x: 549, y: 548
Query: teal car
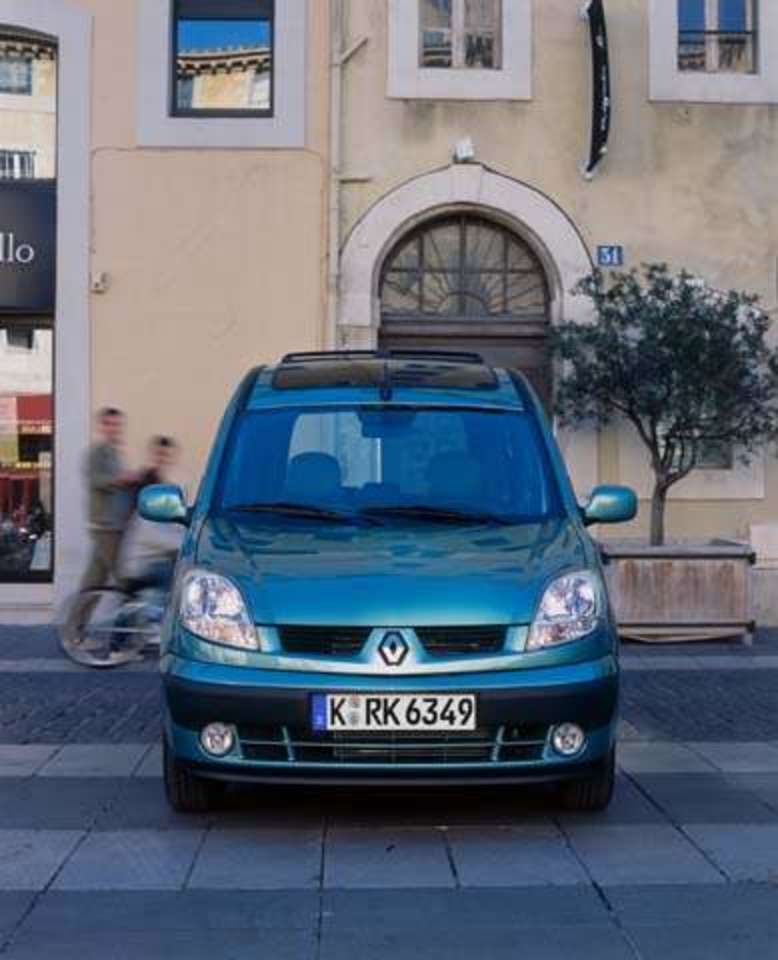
x: 387, y: 578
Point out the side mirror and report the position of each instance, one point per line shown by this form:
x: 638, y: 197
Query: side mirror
x: 610, y: 504
x: 163, y: 503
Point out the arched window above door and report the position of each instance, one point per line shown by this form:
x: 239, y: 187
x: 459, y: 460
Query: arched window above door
x: 463, y: 267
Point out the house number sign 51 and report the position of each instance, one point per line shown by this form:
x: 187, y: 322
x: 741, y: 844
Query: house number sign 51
x: 610, y: 255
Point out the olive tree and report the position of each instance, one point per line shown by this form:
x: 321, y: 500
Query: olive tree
x: 686, y: 365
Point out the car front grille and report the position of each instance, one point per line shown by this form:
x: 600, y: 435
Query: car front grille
x: 323, y: 641
x: 349, y: 641
x: 459, y: 641
x: 297, y: 745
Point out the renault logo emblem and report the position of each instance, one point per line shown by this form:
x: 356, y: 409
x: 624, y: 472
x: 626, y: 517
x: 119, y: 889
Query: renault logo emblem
x: 393, y: 648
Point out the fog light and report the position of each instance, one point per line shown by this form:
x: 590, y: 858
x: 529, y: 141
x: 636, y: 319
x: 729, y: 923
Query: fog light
x: 217, y: 739
x: 568, y: 739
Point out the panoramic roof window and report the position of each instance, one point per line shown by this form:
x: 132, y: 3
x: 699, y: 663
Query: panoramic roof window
x: 223, y: 57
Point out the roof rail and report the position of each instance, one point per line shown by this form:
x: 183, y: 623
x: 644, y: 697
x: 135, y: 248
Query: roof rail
x: 454, y: 356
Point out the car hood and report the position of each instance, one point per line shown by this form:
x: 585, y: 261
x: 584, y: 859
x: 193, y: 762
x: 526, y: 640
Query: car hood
x: 424, y: 575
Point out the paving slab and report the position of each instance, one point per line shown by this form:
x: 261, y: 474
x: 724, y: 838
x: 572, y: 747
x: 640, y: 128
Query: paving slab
x: 274, y: 859
x: 628, y: 805
x: 628, y: 731
x: 739, y: 757
x: 140, y: 804
x: 165, y: 945
x: 61, y: 804
x: 131, y: 860
x: 649, y: 853
x: 151, y: 764
x: 470, y: 909
x: 441, y: 943
x: 762, y: 785
x: 661, y: 757
x: 386, y: 858
x: 703, y: 942
x: 30, y: 858
x: 440, y: 807
x: 743, y: 852
x: 703, y: 798
x: 61, y: 911
x: 735, y: 905
x: 95, y: 760
x: 13, y: 907
x: 24, y: 759
x: 513, y: 857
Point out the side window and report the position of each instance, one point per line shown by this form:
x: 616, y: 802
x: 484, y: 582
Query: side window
x: 223, y: 57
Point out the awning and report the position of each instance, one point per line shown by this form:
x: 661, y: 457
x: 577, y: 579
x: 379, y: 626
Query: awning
x: 594, y: 11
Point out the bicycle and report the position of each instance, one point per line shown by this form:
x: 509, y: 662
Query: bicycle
x: 114, y: 625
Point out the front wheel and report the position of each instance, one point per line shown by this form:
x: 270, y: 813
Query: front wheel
x: 592, y: 793
x: 185, y: 791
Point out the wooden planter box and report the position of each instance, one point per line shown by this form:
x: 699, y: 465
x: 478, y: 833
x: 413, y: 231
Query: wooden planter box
x: 680, y: 591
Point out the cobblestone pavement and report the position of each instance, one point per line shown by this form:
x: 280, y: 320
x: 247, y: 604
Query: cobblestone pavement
x: 684, y: 864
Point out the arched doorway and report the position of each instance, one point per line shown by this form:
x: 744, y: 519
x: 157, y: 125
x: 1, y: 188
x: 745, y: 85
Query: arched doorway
x: 465, y: 282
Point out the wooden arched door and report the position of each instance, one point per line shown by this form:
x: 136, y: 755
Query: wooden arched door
x: 464, y: 282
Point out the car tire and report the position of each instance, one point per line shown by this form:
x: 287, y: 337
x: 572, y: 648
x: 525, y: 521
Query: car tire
x: 185, y: 791
x: 592, y: 793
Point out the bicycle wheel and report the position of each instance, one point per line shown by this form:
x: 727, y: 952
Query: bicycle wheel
x: 94, y: 633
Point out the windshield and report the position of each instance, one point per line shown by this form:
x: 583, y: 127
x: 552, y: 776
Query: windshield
x: 390, y: 463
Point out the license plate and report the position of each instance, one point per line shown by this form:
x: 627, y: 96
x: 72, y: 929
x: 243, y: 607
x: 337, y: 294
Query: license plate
x: 364, y: 712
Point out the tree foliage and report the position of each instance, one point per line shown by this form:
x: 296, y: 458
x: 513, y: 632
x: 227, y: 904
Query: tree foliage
x: 686, y: 365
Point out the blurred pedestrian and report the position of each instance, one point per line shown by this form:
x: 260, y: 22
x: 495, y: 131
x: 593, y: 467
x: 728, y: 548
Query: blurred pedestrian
x: 110, y: 487
x: 162, y: 453
x: 149, y: 549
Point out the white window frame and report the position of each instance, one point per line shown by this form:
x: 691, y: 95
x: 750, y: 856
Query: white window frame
x: 668, y: 83
x: 408, y: 81
x: 285, y: 129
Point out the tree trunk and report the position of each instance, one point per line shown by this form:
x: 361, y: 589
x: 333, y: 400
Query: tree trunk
x: 658, y: 502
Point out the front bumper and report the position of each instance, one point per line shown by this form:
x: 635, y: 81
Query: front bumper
x: 271, y: 712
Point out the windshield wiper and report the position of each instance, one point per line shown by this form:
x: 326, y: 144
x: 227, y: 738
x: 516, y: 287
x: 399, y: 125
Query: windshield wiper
x: 436, y: 514
x: 289, y: 509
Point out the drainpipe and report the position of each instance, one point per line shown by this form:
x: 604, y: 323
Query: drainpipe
x: 336, y: 149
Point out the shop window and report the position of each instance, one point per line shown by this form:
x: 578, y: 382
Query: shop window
x: 717, y: 36
x: 222, y: 58
x: 28, y: 149
x: 460, y: 34
x: 15, y: 73
x: 17, y: 164
x: 26, y: 445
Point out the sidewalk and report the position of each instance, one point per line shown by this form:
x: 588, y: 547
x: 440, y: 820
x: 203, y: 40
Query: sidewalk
x: 684, y: 864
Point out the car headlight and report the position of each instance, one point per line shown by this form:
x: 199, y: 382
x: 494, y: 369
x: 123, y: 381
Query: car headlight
x: 213, y: 608
x: 570, y: 609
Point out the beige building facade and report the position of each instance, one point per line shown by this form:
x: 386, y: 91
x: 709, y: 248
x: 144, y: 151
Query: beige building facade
x: 316, y: 173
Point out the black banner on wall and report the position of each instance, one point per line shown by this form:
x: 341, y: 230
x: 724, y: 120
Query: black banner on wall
x: 28, y: 244
x: 601, y: 85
